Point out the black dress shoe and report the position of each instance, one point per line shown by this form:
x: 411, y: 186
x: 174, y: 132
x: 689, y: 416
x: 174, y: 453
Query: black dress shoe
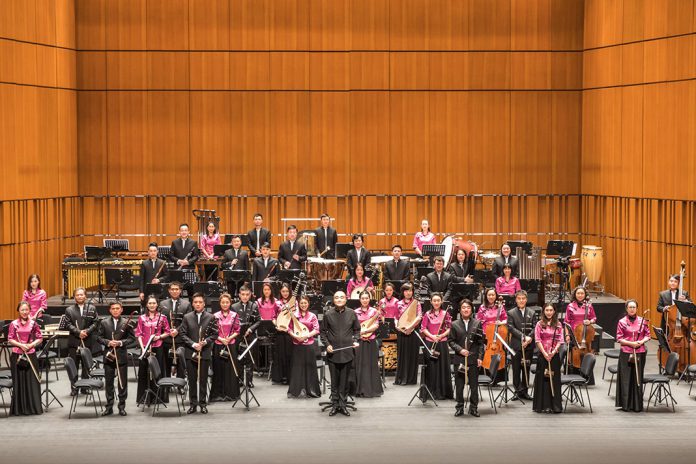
x: 474, y: 412
x: 333, y: 411
x: 108, y: 412
x: 122, y: 412
x: 525, y: 396
x: 458, y: 412
x: 344, y: 411
x: 191, y: 410
x: 204, y: 410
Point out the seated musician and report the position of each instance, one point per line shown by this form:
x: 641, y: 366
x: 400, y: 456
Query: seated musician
x: 209, y: 240
x: 396, y: 269
x: 359, y: 283
x: 505, y: 258
x: 507, y: 284
x: 184, y: 250
x: 489, y: 312
x: 424, y: 237
x: 291, y: 253
x: 35, y: 296
x: 460, y: 268
x: 258, y: 236
x: 326, y: 238
x: 439, y: 280
x: 358, y: 254
x: 235, y: 258
x: 667, y: 298
x: 152, y: 270
x: 264, y: 266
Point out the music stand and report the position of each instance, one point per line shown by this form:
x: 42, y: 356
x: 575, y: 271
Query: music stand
x: 464, y: 290
x: 423, y: 271
x: 342, y: 250
x: 175, y: 275
x: 433, y: 250
x: 686, y: 309
x: 96, y: 253
x: 484, y: 276
x: 663, y: 344
x: 514, y: 244
x: 207, y: 289
x: 219, y: 250
x: 235, y: 276
x: 288, y: 275
x: 247, y: 391
x: 47, y: 369
x: 563, y: 248
x: 423, y: 386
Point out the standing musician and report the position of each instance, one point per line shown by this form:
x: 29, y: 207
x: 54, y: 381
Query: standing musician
x: 264, y: 266
x: 152, y: 269
x: 198, y: 337
x: 435, y: 328
x: 304, y: 381
x: 225, y: 383
x: 460, y: 268
x: 326, y: 238
x: 152, y: 328
x: 440, y: 281
x: 389, y: 302
x: 35, y: 296
x: 80, y: 321
x: 488, y: 311
x: 258, y: 236
x: 209, y: 239
x: 507, y: 284
x: 667, y: 298
x: 632, y: 333
x: 267, y: 304
x: 368, y: 379
x: 25, y: 335
x: 407, y: 343
x: 548, y: 335
x: 184, y: 250
x: 282, y: 348
x: 292, y: 254
x: 424, y: 237
x: 357, y: 255
x: 396, y: 269
x: 235, y: 258
x: 467, y: 341
x: 359, y: 281
x: 521, y: 326
x: 340, y: 332
x: 174, y: 308
x: 249, y: 320
x: 575, y: 316
x: 505, y: 258
x: 115, y: 335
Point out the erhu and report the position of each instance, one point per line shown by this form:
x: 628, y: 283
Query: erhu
x: 548, y: 372
x: 435, y: 353
x: 633, y: 357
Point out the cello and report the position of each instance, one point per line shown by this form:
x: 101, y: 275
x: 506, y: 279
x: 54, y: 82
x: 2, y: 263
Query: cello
x: 675, y: 331
x: 585, y: 335
x: 494, y: 346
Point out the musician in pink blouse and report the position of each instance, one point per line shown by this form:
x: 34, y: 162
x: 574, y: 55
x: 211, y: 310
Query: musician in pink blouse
x: 268, y: 305
x: 225, y: 383
x: 407, y: 343
x: 578, y: 307
x: 548, y: 334
x: 152, y: 328
x: 368, y: 379
x: 507, y: 284
x: 209, y: 240
x: 304, y: 381
x: 389, y: 302
x: 35, y: 296
x: 491, y: 310
x: 435, y: 329
x: 359, y: 282
x: 632, y: 333
x: 282, y: 349
x: 24, y: 335
x: 424, y: 237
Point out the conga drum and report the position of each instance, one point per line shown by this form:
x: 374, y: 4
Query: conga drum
x: 592, y: 259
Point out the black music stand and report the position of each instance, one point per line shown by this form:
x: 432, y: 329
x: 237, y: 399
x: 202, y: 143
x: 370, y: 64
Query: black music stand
x: 423, y: 271
x: 503, y: 395
x: 288, y: 275
x: 663, y: 344
x: 96, y: 253
x: 175, y: 275
x: 247, y: 393
x: 207, y: 289
x: 154, y: 289
x: 563, y: 248
x: 243, y: 237
x: 464, y: 290
x: 116, y: 244
x: 514, y: 244
x: 266, y: 333
x: 484, y: 276
x: 423, y: 393
x: 342, y: 250
x: 329, y: 287
x: 47, y: 369
x: 686, y: 309
x: 433, y: 250
x: 234, y: 279
x: 219, y: 250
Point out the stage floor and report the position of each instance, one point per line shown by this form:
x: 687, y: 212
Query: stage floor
x: 382, y: 430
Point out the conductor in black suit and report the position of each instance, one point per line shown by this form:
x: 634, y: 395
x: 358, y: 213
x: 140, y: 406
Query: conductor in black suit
x: 397, y: 268
x: 291, y: 253
x: 521, y: 323
x: 264, y: 266
x: 235, y: 258
x: 506, y: 258
x: 195, y: 324
x: 326, y: 238
x: 668, y: 297
x: 358, y: 254
x: 258, y: 236
x: 466, y: 340
x: 151, y: 267
x: 439, y: 280
x: 184, y: 250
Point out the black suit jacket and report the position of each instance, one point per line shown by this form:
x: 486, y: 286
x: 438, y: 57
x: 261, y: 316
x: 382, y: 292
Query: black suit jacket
x: 396, y: 271
x: 518, y: 326
x: 123, y: 333
x: 190, y: 331
x: 74, y: 323
x: 500, y: 262
x: 458, y: 337
x: 259, y: 272
x: 183, y: 307
x: 340, y: 329
x: 664, y: 300
x: 458, y: 272
x: 444, y: 285
x: 265, y: 237
x: 352, y: 259
x: 322, y: 243
x: 242, y: 259
x: 285, y: 254
x: 188, y: 252
x: 147, y: 273
x: 249, y: 318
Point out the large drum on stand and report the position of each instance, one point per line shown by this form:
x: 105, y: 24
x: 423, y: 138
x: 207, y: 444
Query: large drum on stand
x: 307, y: 238
x: 325, y: 269
x: 592, y: 261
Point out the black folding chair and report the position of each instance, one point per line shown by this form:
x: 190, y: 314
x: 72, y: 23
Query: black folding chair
x: 89, y: 385
x: 488, y: 380
x: 167, y: 383
x: 573, y: 383
x: 660, y: 387
x: 5, y: 383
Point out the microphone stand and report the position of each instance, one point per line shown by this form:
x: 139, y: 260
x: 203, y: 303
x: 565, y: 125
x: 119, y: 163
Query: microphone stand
x: 246, y: 389
x: 47, y: 369
x: 423, y: 385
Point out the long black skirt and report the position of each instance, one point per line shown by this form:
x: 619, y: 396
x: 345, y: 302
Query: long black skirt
x: 629, y: 395
x: 368, y: 381
x: 225, y: 383
x: 543, y: 399
x: 282, y: 355
x: 304, y: 380
x: 407, y: 347
x: 144, y: 380
x: 26, y: 391
x: 438, y: 372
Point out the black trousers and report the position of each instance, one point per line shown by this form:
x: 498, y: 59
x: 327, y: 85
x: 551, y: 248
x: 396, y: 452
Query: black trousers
x: 192, y: 373
x: 110, y: 377
x: 519, y: 378
x: 339, y: 382
x: 460, y: 382
x: 72, y: 353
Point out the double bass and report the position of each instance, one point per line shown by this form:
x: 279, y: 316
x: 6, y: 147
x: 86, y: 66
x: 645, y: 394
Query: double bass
x: 494, y: 346
x: 680, y: 332
x: 585, y: 335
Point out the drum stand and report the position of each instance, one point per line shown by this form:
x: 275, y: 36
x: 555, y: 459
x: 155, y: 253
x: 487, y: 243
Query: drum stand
x: 246, y: 394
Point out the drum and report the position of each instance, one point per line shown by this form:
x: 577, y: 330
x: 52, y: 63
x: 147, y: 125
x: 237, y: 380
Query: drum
x: 449, y: 246
x: 307, y: 238
x: 592, y: 260
x: 325, y: 269
x: 575, y: 263
x: 389, y: 350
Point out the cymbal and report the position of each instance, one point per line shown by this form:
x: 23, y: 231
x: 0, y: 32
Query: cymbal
x: 490, y: 255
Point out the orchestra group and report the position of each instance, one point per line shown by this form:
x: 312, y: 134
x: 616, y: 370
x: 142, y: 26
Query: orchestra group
x: 453, y: 347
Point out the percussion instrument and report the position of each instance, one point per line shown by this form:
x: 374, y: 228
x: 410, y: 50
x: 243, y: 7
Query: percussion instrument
x: 449, y: 247
x: 592, y: 260
x: 325, y: 269
x: 529, y: 265
x: 90, y: 274
x: 489, y: 257
x: 308, y: 239
x: 381, y: 259
x: 389, y: 350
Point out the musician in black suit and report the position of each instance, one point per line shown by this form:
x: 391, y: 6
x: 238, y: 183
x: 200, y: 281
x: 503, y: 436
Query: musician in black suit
x: 174, y: 309
x: 396, y: 269
x: 249, y: 320
x: 505, y: 258
x: 461, y: 269
x: 521, y: 323
x: 151, y: 267
x: 80, y: 320
x: 358, y: 254
x: 235, y: 258
x: 439, y: 280
x: 291, y: 253
x: 115, y: 335
x: 667, y: 298
x: 258, y: 236
x: 184, y: 250
x: 198, y: 323
x: 264, y: 266
x: 326, y: 236
x: 467, y: 341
